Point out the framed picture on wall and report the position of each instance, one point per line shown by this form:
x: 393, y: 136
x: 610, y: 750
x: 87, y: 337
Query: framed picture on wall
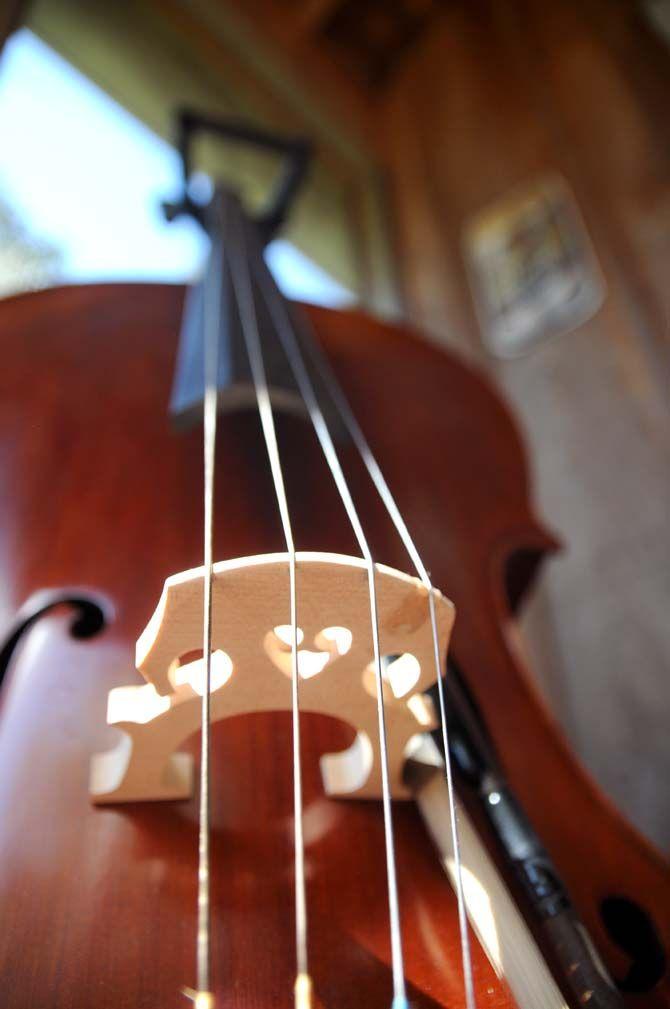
x: 532, y: 267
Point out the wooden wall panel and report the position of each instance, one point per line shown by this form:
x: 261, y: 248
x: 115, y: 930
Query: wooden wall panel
x: 496, y: 95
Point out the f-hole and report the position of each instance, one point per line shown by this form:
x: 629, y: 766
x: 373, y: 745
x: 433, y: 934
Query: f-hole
x: 521, y: 568
x: 631, y: 928
x: 90, y: 615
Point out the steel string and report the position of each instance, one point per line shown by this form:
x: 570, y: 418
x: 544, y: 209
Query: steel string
x: 355, y: 432
x: 245, y: 300
x: 306, y: 389
x: 203, y: 997
x: 292, y: 347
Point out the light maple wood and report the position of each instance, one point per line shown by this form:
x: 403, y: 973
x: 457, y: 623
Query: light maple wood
x: 492, y: 912
x: 250, y: 598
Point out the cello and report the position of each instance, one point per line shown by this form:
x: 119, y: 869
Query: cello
x: 242, y: 782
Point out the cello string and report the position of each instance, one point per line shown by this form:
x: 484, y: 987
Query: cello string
x: 345, y: 411
x: 292, y: 348
x: 245, y: 300
x: 203, y: 998
x: 320, y: 426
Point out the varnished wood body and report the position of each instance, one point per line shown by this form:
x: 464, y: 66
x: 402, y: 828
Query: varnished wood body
x: 98, y: 905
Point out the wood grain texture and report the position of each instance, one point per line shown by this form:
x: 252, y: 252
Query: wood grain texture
x: 98, y: 491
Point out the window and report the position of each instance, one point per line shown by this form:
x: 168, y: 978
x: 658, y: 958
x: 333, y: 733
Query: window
x: 81, y: 185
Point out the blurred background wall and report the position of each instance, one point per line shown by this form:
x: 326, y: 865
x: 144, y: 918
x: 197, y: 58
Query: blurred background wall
x: 494, y: 95
x: 425, y: 113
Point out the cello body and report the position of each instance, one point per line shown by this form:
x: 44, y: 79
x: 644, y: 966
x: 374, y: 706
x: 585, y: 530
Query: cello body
x: 101, y: 494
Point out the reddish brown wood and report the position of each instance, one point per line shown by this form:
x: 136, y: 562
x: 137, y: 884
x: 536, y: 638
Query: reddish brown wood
x: 98, y: 904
